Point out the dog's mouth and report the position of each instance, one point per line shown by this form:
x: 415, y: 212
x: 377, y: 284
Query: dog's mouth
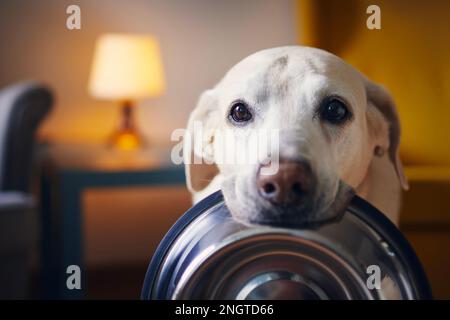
x: 310, y: 215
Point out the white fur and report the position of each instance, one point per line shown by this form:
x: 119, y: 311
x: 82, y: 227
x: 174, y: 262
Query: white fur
x: 284, y: 86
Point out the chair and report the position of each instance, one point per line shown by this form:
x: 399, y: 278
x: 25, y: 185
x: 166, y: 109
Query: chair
x: 22, y: 108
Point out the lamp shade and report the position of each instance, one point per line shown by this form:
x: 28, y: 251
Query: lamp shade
x: 126, y: 67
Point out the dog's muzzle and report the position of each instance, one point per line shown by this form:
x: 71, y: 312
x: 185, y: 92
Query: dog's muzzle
x: 291, y: 199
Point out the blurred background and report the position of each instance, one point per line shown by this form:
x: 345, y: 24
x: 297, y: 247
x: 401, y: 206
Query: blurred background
x: 89, y: 202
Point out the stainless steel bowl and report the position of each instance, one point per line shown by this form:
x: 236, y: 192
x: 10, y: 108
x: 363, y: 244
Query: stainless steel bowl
x: 209, y: 255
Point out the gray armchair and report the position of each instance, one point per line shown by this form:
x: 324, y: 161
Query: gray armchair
x: 22, y: 107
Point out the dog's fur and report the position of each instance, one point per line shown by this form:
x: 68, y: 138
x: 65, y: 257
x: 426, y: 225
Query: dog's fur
x: 284, y: 87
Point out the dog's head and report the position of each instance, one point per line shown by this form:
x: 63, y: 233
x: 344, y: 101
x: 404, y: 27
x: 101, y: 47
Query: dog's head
x: 328, y: 122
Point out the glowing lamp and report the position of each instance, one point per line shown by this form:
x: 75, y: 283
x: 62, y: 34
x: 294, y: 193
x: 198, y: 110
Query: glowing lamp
x: 126, y: 68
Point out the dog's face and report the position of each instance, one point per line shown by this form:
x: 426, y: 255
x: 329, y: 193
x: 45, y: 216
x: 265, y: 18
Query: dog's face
x: 330, y: 123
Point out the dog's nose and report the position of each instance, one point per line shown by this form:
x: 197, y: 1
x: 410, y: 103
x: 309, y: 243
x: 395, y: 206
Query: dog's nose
x: 289, y: 185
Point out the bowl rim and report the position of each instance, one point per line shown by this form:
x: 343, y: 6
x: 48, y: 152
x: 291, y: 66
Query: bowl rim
x: 358, y: 206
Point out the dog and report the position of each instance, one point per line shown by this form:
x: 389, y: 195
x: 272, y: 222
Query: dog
x: 338, y: 134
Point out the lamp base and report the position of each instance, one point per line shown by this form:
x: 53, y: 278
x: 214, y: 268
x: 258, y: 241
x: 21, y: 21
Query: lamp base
x: 127, y: 137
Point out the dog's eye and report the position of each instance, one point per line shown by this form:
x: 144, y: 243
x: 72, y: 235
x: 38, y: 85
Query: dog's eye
x: 334, y: 111
x: 240, y: 113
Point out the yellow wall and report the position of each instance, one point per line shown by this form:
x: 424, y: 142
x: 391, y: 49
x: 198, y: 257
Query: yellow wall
x: 410, y: 55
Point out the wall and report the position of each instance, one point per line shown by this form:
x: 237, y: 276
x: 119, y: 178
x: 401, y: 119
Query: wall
x: 199, y: 40
x: 410, y: 55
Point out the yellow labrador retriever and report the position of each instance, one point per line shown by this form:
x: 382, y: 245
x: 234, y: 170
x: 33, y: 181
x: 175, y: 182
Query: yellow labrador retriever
x: 338, y: 134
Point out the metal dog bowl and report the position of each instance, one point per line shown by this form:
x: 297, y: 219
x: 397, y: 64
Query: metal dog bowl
x: 208, y: 255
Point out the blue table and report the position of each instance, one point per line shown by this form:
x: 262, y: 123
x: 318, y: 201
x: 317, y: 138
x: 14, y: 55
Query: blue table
x: 67, y: 172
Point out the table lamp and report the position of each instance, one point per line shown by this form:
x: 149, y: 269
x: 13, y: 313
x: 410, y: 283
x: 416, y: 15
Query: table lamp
x: 126, y: 68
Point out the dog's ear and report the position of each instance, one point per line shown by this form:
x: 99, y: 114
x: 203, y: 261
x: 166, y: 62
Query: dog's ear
x: 200, y: 168
x: 384, y: 126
